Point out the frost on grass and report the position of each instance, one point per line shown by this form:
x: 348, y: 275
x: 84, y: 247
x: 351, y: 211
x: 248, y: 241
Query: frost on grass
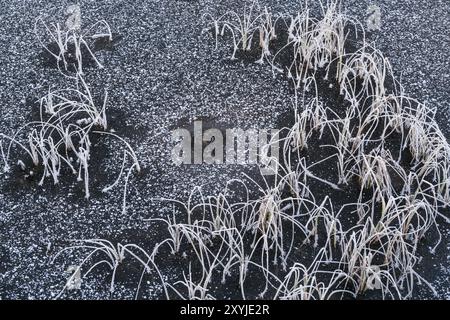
x: 68, y: 44
x: 68, y: 117
x: 284, y: 242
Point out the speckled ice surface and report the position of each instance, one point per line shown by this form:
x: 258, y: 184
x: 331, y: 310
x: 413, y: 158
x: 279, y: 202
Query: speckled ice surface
x: 163, y: 73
